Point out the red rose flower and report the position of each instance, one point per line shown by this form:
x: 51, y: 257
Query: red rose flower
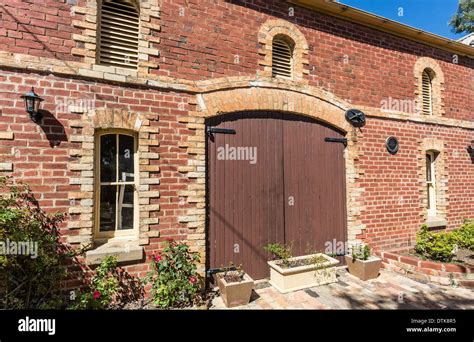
x: 157, y: 258
x: 192, y: 280
x: 96, y: 295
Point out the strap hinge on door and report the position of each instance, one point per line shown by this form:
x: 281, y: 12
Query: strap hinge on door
x: 211, y: 130
x: 337, y: 140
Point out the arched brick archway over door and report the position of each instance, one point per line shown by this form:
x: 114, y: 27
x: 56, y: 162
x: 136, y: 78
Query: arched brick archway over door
x: 276, y: 179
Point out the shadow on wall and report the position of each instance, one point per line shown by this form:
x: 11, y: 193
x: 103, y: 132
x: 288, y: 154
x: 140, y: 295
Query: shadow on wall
x: 52, y: 128
x: 470, y: 150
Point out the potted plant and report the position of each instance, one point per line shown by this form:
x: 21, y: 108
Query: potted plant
x: 235, y: 286
x: 288, y: 273
x: 361, y: 264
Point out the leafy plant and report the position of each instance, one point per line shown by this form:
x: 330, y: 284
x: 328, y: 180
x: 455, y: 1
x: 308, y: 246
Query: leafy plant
x: 360, y: 252
x: 280, y: 252
x: 464, y: 236
x: 442, y: 246
x: 463, y: 19
x: 29, y: 280
x: 233, y: 274
x: 174, y: 277
x: 103, y: 288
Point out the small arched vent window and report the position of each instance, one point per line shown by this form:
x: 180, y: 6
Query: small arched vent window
x: 282, y: 58
x: 427, y: 92
x: 118, y: 34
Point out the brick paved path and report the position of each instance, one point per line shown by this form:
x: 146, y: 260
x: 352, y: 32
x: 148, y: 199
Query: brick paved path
x: 388, y: 291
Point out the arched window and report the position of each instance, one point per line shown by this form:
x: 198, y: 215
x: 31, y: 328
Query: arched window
x: 427, y: 92
x: 118, y: 29
x: 282, y: 57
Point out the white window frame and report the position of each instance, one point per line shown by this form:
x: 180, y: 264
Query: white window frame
x: 431, y: 184
x: 99, y: 235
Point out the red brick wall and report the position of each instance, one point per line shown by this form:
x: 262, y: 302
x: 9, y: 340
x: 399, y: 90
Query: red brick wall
x: 392, y: 197
x: 37, y: 28
x: 45, y: 167
x: 205, y: 40
x: 203, y: 45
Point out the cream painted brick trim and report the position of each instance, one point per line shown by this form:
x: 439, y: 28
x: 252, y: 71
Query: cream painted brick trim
x: 86, y: 43
x: 437, y: 82
x: 441, y: 173
x: 268, y: 31
x: 100, y: 119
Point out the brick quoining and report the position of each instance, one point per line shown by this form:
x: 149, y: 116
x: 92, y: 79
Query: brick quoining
x: 199, y: 59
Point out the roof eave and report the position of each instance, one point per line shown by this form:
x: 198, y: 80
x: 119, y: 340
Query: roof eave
x: 386, y: 25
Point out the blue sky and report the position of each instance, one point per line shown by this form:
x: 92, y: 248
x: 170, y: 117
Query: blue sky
x: 428, y: 15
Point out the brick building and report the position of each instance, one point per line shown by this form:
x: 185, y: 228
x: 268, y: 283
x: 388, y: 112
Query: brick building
x: 130, y: 88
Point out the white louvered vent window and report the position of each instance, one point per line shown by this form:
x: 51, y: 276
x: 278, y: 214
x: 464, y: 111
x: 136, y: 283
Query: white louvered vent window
x: 119, y: 30
x: 282, y: 58
x: 427, y: 93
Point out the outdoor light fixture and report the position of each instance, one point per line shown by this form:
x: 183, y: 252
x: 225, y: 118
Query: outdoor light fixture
x: 355, y: 117
x: 32, y: 103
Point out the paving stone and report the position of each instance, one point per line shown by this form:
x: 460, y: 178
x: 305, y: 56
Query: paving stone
x: 389, y: 291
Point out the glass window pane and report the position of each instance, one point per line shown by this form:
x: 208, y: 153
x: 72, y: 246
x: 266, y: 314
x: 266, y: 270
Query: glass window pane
x: 108, y: 158
x: 428, y: 168
x: 107, y: 207
x: 126, y: 202
x: 126, y: 158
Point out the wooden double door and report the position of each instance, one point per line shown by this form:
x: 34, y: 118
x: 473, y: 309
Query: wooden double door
x: 272, y: 177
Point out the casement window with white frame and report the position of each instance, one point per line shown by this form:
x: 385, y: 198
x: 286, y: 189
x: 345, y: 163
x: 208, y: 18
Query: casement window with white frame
x: 116, y: 184
x: 431, y: 183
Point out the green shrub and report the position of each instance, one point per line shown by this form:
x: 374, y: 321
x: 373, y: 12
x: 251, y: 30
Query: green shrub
x: 174, y: 278
x: 280, y: 252
x: 360, y: 252
x: 29, y: 280
x: 464, y: 236
x: 103, y: 288
x: 442, y: 246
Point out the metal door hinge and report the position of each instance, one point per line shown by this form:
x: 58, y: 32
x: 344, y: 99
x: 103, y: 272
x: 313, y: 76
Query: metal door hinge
x: 337, y: 140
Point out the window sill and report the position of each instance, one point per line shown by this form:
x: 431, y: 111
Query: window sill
x: 435, y: 222
x: 123, y: 249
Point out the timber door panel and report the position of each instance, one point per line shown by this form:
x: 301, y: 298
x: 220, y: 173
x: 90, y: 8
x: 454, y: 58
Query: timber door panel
x: 246, y: 199
x: 293, y: 193
x: 314, y: 186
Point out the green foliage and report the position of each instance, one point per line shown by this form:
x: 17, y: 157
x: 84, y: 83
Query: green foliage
x: 463, y: 20
x: 280, y: 252
x: 442, y: 246
x: 174, y: 277
x: 103, y: 288
x: 360, y: 252
x: 29, y: 281
x: 464, y: 236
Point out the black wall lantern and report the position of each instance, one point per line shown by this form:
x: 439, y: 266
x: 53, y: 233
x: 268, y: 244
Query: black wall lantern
x: 32, y: 103
x: 355, y: 117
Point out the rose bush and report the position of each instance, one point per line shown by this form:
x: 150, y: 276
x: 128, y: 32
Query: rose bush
x: 174, y: 278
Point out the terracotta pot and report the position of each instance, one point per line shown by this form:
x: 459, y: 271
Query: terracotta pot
x: 235, y: 294
x: 364, y: 269
x: 302, y: 277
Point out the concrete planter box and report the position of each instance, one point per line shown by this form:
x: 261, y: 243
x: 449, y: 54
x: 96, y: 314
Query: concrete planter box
x: 235, y: 294
x: 301, y: 277
x: 364, y: 269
